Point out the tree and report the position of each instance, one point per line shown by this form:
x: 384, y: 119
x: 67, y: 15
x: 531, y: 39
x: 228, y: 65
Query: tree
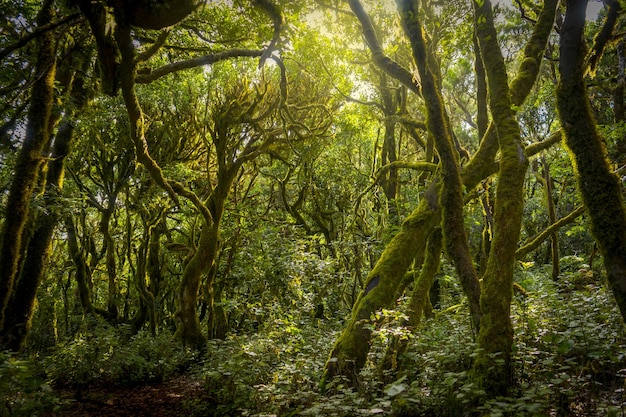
x: 37, y: 248
x: 599, y: 186
x: 350, y: 350
x: 29, y: 161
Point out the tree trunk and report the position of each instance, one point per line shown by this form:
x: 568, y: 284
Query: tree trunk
x: 389, y: 180
x: 554, y: 237
x: 451, y: 197
x: 418, y: 304
x: 29, y: 159
x: 189, y: 330
x: 350, y: 350
x: 492, y: 367
x: 110, y: 258
x: 154, y: 271
x: 19, y: 313
x: 599, y: 187
x: 80, y: 264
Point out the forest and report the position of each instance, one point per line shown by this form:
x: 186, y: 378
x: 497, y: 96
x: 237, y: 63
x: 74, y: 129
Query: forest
x: 312, y: 208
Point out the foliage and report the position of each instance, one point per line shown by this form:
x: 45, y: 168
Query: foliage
x: 564, y: 365
x: 304, y: 223
x: 24, y: 390
x: 109, y: 356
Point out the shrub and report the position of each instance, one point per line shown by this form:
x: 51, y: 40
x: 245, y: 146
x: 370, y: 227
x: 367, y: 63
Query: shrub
x: 24, y: 391
x: 111, y: 356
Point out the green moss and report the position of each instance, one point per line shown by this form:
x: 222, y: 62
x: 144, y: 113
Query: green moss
x: 29, y: 160
x: 419, y: 296
x: 350, y: 351
x: 599, y: 186
x: 492, y: 368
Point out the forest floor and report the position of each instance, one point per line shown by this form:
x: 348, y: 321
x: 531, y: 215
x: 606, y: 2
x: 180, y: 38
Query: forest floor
x: 169, y: 398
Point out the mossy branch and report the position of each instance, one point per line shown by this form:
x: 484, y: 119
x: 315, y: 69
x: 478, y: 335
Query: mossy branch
x: 154, y: 48
x: 147, y: 76
x: 603, y: 37
x: 390, y: 66
x: 70, y: 20
x: 538, y: 239
x: 134, y: 111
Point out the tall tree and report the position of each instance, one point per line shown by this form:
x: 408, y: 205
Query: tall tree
x: 600, y: 188
x: 495, y: 336
x: 29, y: 161
x: 451, y: 196
x: 37, y: 251
x: 350, y: 350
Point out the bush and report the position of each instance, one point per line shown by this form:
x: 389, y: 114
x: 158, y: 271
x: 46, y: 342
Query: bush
x: 24, y: 392
x: 111, y: 356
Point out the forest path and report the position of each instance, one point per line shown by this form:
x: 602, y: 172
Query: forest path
x: 160, y: 399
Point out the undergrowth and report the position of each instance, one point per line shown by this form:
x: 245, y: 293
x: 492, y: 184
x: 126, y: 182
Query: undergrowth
x: 103, y: 355
x: 569, y: 359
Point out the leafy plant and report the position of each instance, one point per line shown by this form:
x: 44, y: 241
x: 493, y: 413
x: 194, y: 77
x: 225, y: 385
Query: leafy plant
x: 24, y: 390
x: 110, y: 356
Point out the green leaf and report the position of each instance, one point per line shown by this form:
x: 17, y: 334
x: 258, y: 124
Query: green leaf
x: 395, y: 389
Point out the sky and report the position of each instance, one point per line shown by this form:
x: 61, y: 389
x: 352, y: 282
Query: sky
x: 593, y: 7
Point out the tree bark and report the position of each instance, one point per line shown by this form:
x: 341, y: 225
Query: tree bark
x: 29, y: 159
x: 451, y: 197
x: 492, y: 367
x: 20, y: 310
x: 599, y: 186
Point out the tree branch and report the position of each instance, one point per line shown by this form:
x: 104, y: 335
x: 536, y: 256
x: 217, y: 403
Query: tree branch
x: 534, y: 242
x: 603, y: 36
x: 71, y: 19
x: 149, y: 75
x: 390, y: 66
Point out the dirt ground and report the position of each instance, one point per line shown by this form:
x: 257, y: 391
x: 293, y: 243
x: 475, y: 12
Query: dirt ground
x: 164, y: 399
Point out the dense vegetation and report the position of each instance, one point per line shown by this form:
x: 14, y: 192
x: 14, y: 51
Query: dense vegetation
x: 315, y: 208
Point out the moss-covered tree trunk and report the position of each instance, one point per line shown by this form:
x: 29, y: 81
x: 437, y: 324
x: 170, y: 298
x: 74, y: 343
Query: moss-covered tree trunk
x: 29, y: 159
x: 599, y: 187
x: 20, y: 310
x: 146, y: 268
x: 419, y: 303
x: 188, y: 329
x: 492, y: 367
x: 80, y: 265
x: 202, y: 261
x: 451, y: 197
x: 110, y: 257
x: 554, y: 237
x: 350, y: 350
x: 389, y: 180
x: 154, y: 271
